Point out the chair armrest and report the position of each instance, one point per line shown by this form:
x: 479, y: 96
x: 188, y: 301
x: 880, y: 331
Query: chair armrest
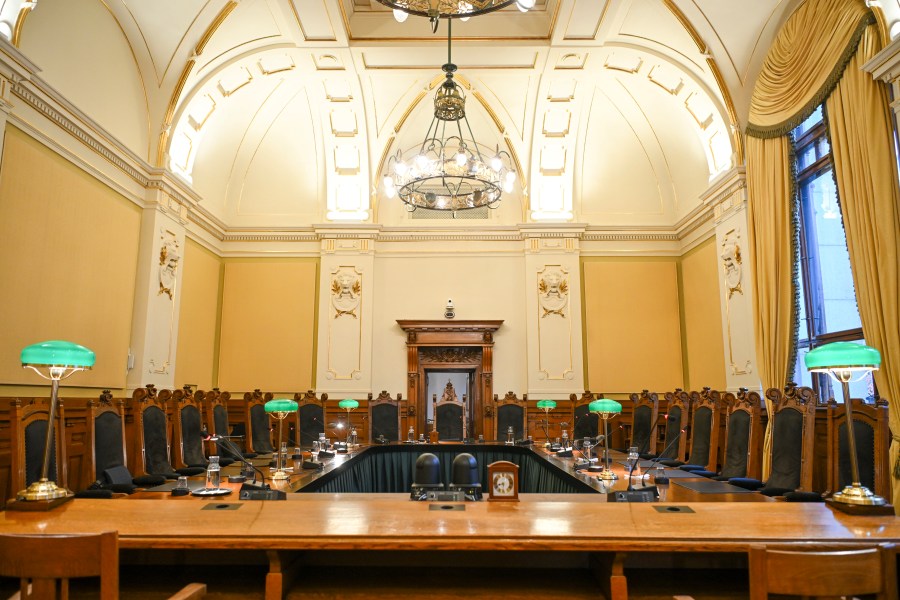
x: 190, y: 591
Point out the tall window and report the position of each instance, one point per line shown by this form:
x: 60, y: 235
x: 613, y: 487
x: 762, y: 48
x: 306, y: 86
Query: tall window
x: 828, y: 311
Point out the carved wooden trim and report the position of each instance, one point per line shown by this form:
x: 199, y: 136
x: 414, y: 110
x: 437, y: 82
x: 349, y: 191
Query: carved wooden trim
x: 454, y: 354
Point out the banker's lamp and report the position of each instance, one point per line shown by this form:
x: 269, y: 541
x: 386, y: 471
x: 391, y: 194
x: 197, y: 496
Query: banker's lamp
x: 846, y: 362
x: 348, y: 404
x: 606, y: 409
x: 280, y: 409
x: 54, y: 360
x: 546, y: 406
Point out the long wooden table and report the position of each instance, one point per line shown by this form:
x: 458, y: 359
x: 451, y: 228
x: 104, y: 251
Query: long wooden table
x: 393, y: 523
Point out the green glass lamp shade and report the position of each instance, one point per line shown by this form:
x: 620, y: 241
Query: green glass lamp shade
x: 605, y: 405
x: 546, y: 404
x: 57, y: 353
x: 281, y: 405
x: 843, y: 356
x: 348, y: 404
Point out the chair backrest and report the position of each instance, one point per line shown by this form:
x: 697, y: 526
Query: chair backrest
x: 585, y: 423
x: 28, y: 433
x: 678, y: 406
x: 384, y: 417
x: 832, y: 573
x: 215, y: 404
x: 793, y: 425
x: 259, y: 429
x: 873, y: 438
x: 705, y: 429
x: 47, y: 562
x: 510, y: 412
x: 743, y: 434
x: 152, y: 430
x: 644, y: 414
x: 106, y: 434
x: 449, y: 415
x: 188, y: 423
x: 310, y: 416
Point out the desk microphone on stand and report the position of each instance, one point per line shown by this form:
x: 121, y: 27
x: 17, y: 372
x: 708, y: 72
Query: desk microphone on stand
x: 249, y: 491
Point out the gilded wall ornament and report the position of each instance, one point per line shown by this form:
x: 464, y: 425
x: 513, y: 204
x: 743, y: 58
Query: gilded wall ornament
x: 553, y: 293
x: 168, y: 265
x: 346, y: 290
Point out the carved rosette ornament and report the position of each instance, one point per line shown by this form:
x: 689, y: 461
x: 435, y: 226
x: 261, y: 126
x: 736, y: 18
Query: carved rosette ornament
x: 346, y: 293
x: 553, y: 292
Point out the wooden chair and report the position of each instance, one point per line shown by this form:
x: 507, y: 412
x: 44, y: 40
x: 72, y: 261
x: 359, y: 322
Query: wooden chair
x: 833, y: 573
x: 706, y: 407
x: 259, y: 429
x: 152, y: 435
x: 678, y: 406
x: 510, y: 412
x: 873, y: 438
x: 642, y: 429
x: 188, y: 424
x: 44, y: 564
x: 215, y: 405
x: 28, y: 432
x: 310, y: 416
x: 793, y: 422
x: 450, y: 416
x: 743, y: 435
x: 585, y: 423
x: 384, y: 417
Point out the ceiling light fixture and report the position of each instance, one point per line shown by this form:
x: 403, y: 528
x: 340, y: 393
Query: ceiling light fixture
x: 451, y: 9
x: 449, y: 171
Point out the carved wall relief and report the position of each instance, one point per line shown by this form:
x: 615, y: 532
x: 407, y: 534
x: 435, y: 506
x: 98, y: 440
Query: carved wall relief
x: 346, y: 292
x: 736, y: 303
x: 553, y: 292
x: 460, y: 354
x: 732, y: 262
x: 554, y: 325
x: 346, y: 327
x: 169, y: 256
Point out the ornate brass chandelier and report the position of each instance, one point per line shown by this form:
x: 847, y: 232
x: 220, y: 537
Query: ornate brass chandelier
x: 449, y: 171
x: 450, y: 9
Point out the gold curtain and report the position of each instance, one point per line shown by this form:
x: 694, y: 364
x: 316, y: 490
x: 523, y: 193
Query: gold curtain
x: 804, y: 63
x: 802, y: 68
x: 861, y: 131
x: 769, y: 217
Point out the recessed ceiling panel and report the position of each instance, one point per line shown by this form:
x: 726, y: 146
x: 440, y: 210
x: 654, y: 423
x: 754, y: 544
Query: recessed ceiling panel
x: 163, y: 25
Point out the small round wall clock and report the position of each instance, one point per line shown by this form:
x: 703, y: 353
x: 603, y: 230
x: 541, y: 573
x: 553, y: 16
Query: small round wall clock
x: 503, y: 478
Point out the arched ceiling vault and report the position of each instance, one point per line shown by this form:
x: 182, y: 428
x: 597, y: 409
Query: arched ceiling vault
x: 280, y: 113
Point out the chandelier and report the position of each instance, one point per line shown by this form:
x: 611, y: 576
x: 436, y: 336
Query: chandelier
x: 449, y: 171
x: 450, y: 9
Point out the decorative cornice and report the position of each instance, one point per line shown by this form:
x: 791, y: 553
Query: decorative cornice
x: 608, y: 236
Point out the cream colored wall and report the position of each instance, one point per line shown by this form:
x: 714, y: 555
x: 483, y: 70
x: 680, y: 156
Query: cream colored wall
x: 632, y: 324
x: 267, y: 338
x: 703, y: 317
x: 198, y: 324
x: 68, y: 253
x: 417, y: 287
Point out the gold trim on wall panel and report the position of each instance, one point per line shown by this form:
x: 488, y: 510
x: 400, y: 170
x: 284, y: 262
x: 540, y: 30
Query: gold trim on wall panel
x: 561, y: 309
x: 20, y: 23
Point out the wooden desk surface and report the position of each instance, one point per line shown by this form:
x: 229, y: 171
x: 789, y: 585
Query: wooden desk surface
x: 388, y: 521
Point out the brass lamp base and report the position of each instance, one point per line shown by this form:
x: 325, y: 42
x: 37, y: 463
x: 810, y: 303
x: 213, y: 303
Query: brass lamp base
x: 607, y: 475
x: 280, y: 475
x: 858, y: 494
x: 40, y: 495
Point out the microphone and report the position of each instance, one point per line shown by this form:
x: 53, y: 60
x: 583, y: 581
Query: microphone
x: 655, y: 462
x: 230, y: 448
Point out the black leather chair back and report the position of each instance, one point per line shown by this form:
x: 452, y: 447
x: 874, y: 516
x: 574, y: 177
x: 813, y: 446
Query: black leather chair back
x: 865, y: 455
x: 642, y: 428
x: 587, y: 424
x: 312, y: 423
x: 191, y: 441
x: 700, y: 436
x: 737, y: 445
x: 156, y: 448
x: 385, y: 422
x: 35, y: 438
x: 510, y: 415
x: 108, y: 443
x: 449, y: 421
x: 787, y: 450
x: 259, y: 426
x: 673, y: 429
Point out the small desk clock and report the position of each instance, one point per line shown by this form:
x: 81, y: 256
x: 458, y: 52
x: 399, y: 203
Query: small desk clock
x: 503, y: 479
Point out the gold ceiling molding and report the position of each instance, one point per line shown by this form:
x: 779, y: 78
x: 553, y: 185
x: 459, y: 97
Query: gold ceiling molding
x: 20, y: 23
x: 735, y: 132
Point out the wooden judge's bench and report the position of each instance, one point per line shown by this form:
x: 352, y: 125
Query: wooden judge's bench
x: 555, y: 530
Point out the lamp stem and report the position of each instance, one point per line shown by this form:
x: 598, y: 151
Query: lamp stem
x: 48, y: 442
x: 605, y: 444
x: 280, y: 461
x: 851, y: 435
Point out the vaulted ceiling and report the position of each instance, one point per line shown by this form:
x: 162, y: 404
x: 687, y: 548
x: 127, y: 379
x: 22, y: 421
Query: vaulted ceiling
x: 282, y: 113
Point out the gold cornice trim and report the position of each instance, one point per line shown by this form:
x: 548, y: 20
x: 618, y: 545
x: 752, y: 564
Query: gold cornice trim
x: 717, y: 75
x: 216, y: 23
x: 20, y: 23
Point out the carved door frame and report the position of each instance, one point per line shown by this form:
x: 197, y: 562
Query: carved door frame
x: 456, y: 335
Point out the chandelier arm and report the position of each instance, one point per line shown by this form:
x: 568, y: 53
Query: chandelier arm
x: 472, y: 137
